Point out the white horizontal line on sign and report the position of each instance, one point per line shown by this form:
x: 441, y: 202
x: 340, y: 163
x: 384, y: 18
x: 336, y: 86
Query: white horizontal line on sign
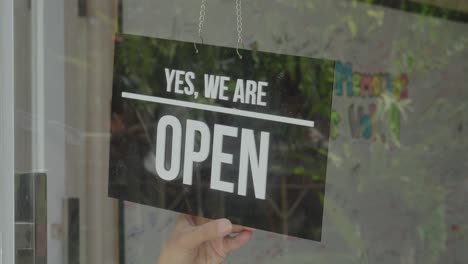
x: 218, y: 109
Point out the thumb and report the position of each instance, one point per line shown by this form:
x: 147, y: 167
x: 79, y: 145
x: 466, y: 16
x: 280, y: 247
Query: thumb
x: 209, y: 231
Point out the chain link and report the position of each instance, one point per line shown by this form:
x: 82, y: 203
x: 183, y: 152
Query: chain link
x: 239, y: 26
x: 202, y: 18
x: 201, y: 22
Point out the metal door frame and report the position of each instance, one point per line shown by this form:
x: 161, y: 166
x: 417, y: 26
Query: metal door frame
x: 7, y: 148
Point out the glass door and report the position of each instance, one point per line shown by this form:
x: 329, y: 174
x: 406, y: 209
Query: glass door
x: 79, y: 181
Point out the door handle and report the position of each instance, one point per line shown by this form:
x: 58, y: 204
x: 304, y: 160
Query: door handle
x: 31, y: 218
x: 72, y: 231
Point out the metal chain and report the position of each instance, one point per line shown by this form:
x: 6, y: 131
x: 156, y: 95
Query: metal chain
x: 201, y: 22
x: 202, y: 19
x: 239, y: 26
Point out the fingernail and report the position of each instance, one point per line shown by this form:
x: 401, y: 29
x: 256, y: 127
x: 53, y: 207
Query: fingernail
x: 224, y: 226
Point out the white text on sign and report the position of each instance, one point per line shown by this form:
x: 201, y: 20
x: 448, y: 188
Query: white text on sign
x: 216, y: 87
x: 258, y: 162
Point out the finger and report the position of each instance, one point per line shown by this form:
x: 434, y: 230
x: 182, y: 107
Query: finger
x: 233, y: 243
x: 209, y: 231
x: 200, y: 220
x: 183, y: 220
x: 239, y: 228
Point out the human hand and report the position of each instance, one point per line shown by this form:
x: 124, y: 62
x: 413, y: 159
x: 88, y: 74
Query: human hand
x: 201, y: 241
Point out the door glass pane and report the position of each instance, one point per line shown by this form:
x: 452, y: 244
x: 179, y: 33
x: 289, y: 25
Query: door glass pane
x: 396, y: 184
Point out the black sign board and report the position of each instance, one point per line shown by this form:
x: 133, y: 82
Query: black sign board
x: 210, y: 134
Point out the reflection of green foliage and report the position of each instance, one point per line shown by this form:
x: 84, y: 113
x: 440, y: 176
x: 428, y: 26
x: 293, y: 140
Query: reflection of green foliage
x: 305, y: 84
x: 308, y: 81
x: 298, y: 87
x: 335, y: 120
x: 407, y: 174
